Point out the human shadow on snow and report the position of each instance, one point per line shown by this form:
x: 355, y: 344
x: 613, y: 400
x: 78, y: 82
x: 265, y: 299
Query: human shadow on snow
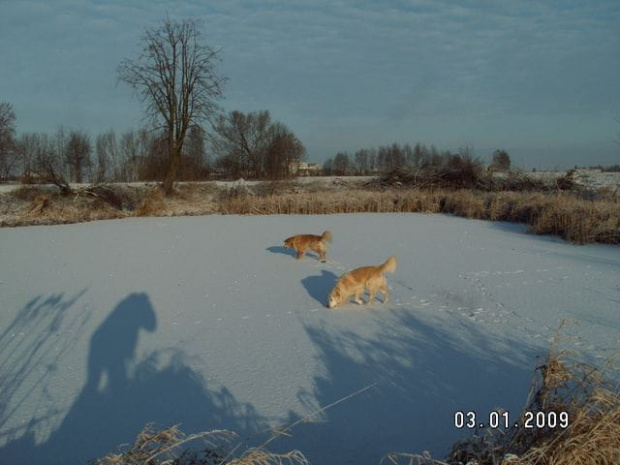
x: 413, y: 375
x: 122, y: 395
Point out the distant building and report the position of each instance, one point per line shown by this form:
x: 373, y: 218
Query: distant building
x: 302, y: 168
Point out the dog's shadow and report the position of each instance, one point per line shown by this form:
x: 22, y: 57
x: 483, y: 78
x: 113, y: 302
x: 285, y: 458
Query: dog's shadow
x: 282, y: 250
x: 320, y: 286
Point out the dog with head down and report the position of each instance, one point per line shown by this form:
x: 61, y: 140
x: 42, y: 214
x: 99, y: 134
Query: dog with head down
x: 355, y: 282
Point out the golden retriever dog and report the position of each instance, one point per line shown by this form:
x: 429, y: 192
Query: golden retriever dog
x: 302, y: 242
x: 356, y: 281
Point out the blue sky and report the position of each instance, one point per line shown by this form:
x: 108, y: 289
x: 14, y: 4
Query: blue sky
x: 540, y: 79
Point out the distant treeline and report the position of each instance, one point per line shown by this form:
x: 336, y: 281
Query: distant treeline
x: 604, y: 169
x: 394, y: 157
x: 244, y: 145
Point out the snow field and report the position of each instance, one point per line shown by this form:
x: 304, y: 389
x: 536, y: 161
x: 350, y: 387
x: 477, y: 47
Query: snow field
x: 209, y: 322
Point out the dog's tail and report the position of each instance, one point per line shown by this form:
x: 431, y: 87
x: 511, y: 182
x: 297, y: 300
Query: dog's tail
x: 326, y: 237
x: 389, y: 266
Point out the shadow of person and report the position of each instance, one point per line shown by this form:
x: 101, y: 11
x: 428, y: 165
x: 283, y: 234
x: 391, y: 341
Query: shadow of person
x: 127, y: 389
x: 320, y: 286
x: 113, y: 344
x: 282, y: 250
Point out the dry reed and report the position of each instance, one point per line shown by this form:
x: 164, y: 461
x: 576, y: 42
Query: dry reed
x: 572, y: 216
x: 561, y: 385
x: 169, y: 446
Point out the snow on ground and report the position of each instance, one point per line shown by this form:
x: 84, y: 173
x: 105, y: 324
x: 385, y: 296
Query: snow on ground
x: 209, y: 323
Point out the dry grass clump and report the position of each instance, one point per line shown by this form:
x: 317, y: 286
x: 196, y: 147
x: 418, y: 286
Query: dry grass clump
x: 46, y: 207
x: 517, y: 181
x: 151, y: 202
x: 27, y: 193
x: 269, y: 188
x: 579, y: 220
x: 592, y: 403
x: 170, y: 446
x: 564, y: 214
x: 608, y: 193
x: 40, y: 203
x: 561, y: 385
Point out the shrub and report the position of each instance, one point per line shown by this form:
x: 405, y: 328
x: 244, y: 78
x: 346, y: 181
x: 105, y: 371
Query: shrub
x: 169, y: 446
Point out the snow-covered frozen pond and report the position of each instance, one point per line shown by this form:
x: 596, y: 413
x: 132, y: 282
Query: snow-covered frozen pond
x: 210, y: 323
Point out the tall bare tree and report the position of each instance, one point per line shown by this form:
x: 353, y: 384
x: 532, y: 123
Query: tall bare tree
x: 176, y: 77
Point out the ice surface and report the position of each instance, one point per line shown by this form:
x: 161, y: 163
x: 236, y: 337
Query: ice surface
x: 209, y: 322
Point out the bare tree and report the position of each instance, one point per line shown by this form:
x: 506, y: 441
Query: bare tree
x: 8, y: 154
x: 27, y: 147
x: 362, y: 161
x: 134, y: 147
x: 255, y: 147
x: 283, y: 151
x: 195, y: 163
x: 176, y: 78
x: 242, y: 139
x: 40, y: 160
x: 107, y: 155
x: 78, y: 154
x: 328, y: 167
x: 341, y: 165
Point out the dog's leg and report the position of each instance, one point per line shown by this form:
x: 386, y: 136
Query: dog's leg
x: 371, y: 297
x: 358, y: 297
x: 385, y: 293
x: 321, y: 251
x: 300, y: 254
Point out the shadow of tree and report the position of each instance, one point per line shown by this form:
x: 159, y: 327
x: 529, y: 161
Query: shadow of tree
x: 418, y: 374
x: 121, y: 396
x: 320, y: 286
x: 31, y: 349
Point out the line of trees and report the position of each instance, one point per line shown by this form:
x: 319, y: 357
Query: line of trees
x: 74, y: 156
x: 268, y: 150
x: 395, y: 156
